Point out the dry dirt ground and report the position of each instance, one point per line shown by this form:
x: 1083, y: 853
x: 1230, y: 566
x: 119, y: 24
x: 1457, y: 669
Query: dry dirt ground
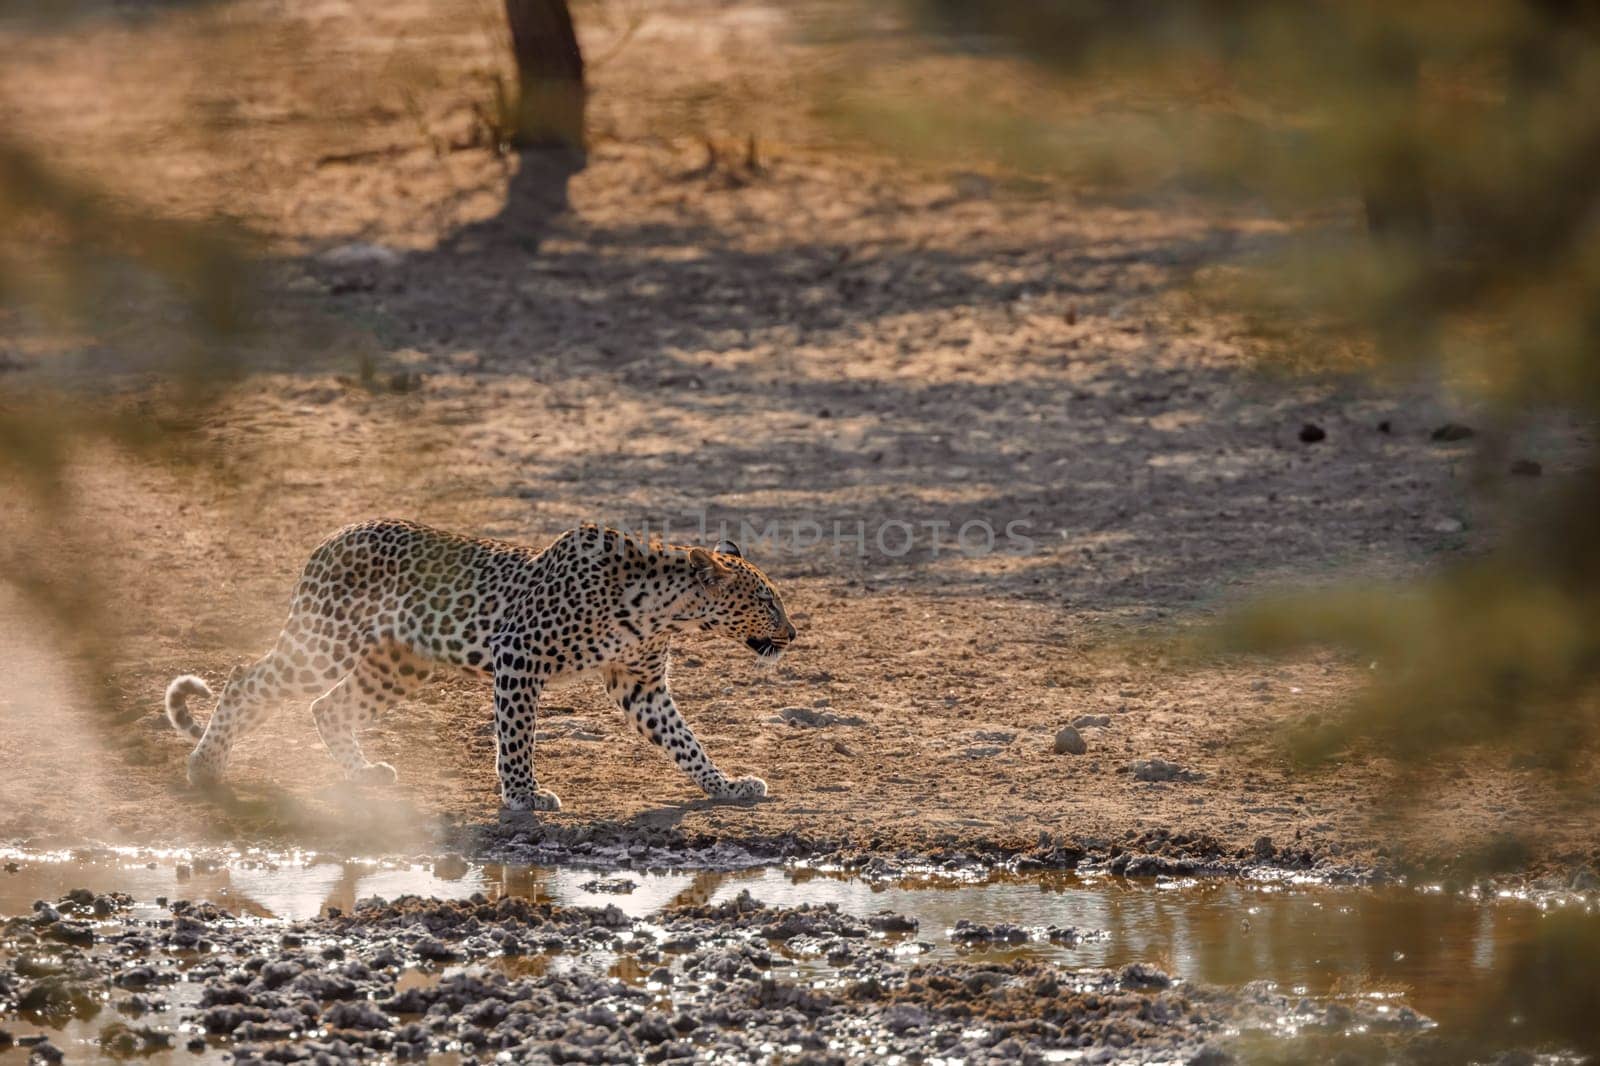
x: 817, y: 334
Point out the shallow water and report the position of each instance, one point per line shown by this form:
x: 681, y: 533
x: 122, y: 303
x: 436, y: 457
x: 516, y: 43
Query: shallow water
x: 1451, y: 957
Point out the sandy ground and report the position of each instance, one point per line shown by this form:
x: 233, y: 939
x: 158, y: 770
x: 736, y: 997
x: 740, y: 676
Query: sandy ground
x: 823, y: 337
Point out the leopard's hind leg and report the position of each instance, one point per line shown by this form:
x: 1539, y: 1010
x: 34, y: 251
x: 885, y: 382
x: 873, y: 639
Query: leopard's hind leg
x: 249, y: 696
x: 384, y: 674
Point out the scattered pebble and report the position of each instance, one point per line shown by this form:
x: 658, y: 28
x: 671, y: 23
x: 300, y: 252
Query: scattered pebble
x: 45, y: 1052
x: 1143, y: 975
x: 1526, y: 468
x: 1311, y: 433
x: 1084, y: 721
x: 1070, y: 742
x: 1161, y: 770
x: 1451, y: 431
x: 360, y: 254
x: 967, y: 932
x: 1130, y: 865
x: 811, y: 718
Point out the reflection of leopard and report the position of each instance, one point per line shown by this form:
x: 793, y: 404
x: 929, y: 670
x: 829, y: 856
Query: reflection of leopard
x: 383, y: 606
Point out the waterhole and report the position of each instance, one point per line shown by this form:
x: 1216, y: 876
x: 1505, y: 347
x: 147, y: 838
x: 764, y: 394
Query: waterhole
x: 1495, y: 971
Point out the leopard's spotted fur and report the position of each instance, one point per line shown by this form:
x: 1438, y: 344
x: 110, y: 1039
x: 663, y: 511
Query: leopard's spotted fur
x: 384, y: 606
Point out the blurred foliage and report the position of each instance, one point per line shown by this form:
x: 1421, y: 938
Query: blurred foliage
x: 94, y: 294
x: 1437, y: 163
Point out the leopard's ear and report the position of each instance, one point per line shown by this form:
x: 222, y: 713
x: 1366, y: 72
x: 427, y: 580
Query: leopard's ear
x: 706, y: 568
x: 728, y: 547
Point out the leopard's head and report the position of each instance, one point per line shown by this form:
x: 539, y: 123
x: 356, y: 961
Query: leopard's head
x: 738, y: 600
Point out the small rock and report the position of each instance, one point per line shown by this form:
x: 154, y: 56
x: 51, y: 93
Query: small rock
x: 969, y: 932
x: 1311, y: 433
x: 808, y: 718
x: 46, y: 1052
x: 1451, y: 431
x: 1337, y: 1016
x: 1068, y: 935
x: 986, y: 752
x: 1070, y: 742
x: 435, y: 950
x: 890, y: 922
x: 1152, y: 866
x: 1448, y: 525
x: 135, y: 977
x: 121, y: 1040
x: 1385, y: 426
x: 1585, y: 880
x: 1161, y: 770
x: 984, y: 981
x: 360, y: 253
x: 1085, y: 720
x: 903, y: 1017
x: 1143, y: 975
x: 77, y: 934
x: 1264, y: 849
x: 619, y: 886
x: 1526, y: 468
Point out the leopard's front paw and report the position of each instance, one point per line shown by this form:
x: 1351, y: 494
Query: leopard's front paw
x: 378, y: 773
x: 743, y: 788
x: 539, y: 800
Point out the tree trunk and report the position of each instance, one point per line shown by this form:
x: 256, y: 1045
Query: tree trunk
x: 550, y: 90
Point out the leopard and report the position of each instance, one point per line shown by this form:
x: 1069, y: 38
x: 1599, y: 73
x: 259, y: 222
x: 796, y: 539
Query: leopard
x: 385, y: 607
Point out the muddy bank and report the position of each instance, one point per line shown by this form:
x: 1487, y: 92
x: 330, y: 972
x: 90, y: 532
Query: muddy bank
x: 544, y: 983
x: 282, y: 958
x: 526, y: 840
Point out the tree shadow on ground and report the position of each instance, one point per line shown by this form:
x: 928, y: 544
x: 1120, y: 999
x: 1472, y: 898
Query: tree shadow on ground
x: 1148, y: 475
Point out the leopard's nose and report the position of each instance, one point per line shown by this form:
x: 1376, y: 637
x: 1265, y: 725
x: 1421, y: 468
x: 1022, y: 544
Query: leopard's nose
x: 789, y: 631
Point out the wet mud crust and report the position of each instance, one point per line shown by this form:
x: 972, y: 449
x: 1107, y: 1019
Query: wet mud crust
x: 542, y: 983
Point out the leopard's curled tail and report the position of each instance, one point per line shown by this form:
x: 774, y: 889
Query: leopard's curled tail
x: 178, y: 694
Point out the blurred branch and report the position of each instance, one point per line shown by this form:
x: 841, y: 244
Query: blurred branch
x: 95, y: 292
x: 1439, y: 161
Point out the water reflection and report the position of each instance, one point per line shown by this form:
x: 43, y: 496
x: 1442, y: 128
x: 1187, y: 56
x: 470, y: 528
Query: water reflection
x: 1487, y: 971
